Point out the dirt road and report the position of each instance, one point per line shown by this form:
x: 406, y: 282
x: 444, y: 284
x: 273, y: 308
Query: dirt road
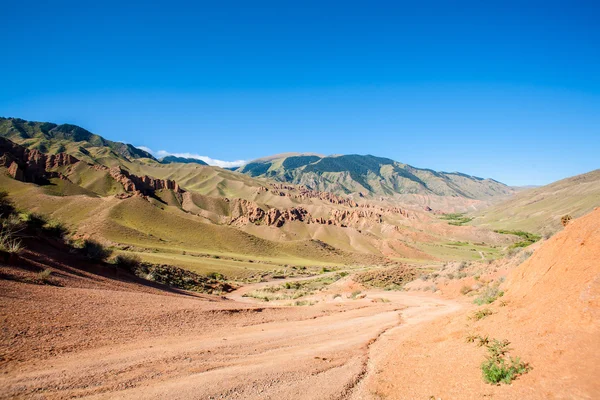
x: 320, y: 352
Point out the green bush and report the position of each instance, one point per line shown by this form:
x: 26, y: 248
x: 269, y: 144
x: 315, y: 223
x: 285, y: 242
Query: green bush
x: 216, y: 276
x: 499, y: 367
x: 95, y: 251
x: 129, y: 262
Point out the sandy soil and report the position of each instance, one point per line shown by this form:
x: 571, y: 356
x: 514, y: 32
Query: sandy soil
x: 151, y: 345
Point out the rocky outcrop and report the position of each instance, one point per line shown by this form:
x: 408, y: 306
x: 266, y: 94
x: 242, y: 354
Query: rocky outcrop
x: 143, y: 184
x: 304, y: 193
x: 32, y: 165
x: 244, y: 211
x: 276, y: 217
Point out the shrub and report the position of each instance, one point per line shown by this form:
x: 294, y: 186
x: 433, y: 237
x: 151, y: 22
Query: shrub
x: 565, y: 219
x: 465, y: 289
x: 488, y: 296
x: 355, y: 293
x: 55, y: 229
x: 129, y: 262
x: 95, y: 250
x: 499, y: 367
x: 216, y: 276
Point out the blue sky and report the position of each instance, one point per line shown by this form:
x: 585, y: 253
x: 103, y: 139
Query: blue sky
x: 508, y: 90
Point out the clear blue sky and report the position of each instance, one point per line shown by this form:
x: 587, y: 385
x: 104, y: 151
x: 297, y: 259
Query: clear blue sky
x: 508, y: 90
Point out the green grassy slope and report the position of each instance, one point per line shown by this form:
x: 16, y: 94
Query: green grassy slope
x: 540, y: 209
x: 52, y: 138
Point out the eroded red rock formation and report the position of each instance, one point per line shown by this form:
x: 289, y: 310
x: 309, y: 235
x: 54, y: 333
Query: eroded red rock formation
x: 32, y: 165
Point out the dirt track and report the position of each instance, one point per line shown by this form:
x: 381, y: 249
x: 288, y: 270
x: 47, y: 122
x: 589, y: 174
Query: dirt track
x: 319, y: 352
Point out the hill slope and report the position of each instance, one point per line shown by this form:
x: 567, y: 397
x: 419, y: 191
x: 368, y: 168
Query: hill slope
x: 540, y: 209
x: 51, y: 138
x: 369, y: 175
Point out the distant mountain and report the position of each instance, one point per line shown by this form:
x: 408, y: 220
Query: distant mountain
x: 370, y: 175
x: 182, y: 160
x: 540, y: 209
x: 52, y: 138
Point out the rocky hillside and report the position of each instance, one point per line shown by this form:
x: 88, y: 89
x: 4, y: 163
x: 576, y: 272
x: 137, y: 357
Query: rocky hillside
x: 367, y: 175
x: 51, y: 138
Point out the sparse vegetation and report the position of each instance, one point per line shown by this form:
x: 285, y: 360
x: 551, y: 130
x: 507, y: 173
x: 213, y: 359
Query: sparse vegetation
x: 128, y: 261
x: 565, y: 219
x: 389, y: 279
x: 481, y: 314
x: 465, y: 289
x: 499, y: 367
x: 457, y: 219
x: 528, y: 238
x: 44, y: 276
x: 95, y: 251
x: 488, y: 295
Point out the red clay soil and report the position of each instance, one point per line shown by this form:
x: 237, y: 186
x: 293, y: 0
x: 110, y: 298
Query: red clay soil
x: 550, y: 314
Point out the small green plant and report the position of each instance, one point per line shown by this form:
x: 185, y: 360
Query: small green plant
x: 355, y: 294
x: 44, y: 276
x: 481, y: 314
x: 499, y: 367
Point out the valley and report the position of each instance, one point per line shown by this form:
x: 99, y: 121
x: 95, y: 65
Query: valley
x: 294, y: 276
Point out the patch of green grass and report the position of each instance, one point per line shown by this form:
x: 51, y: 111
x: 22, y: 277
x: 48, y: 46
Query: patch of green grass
x: 528, y: 238
x: 457, y: 219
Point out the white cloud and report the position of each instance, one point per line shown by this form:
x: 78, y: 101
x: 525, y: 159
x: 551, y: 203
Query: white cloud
x: 208, y: 160
x: 146, y: 149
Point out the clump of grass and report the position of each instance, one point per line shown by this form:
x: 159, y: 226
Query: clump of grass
x: 381, y: 300
x: 335, y: 296
x: 8, y: 241
x: 465, y: 289
x: 95, y: 251
x: 44, y: 276
x: 499, y: 367
x: 355, y: 294
x: 301, y: 303
x: 488, y: 295
x: 481, y: 314
x: 129, y: 262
